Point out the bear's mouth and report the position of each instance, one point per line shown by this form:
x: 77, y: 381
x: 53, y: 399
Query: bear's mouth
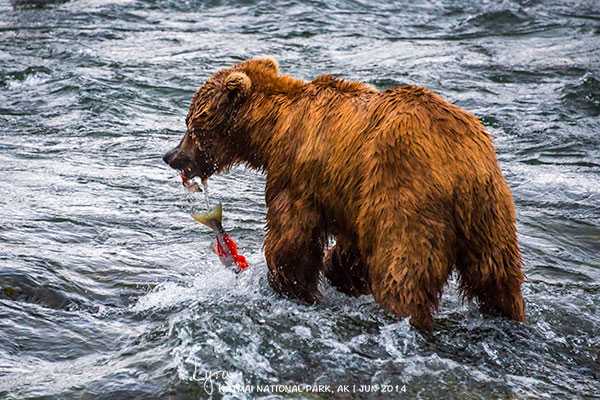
x: 187, y: 174
x: 189, y: 168
x: 187, y: 181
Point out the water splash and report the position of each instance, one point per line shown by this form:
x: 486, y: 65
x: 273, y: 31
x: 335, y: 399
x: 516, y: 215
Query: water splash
x: 206, y: 196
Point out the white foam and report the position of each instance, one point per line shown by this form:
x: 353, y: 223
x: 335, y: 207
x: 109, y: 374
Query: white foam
x: 213, y: 280
x: 31, y: 80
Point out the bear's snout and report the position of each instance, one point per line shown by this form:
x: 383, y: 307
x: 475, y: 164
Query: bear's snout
x: 175, y: 159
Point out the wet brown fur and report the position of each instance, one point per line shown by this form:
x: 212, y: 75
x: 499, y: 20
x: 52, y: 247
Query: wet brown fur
x: 407, y: 182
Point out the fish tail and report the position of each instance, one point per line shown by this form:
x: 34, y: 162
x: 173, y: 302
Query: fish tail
x: 211, y: 218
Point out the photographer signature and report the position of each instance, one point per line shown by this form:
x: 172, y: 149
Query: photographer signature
x: 208, y: 379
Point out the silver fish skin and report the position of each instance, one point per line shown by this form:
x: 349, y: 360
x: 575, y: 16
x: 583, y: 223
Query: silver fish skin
x: 213, y: 219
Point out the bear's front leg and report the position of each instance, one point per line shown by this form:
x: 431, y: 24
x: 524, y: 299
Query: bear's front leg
x: 293, y: 247
x: 345, y: 269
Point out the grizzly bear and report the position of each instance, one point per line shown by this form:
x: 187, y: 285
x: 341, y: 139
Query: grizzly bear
x: 406, y: 183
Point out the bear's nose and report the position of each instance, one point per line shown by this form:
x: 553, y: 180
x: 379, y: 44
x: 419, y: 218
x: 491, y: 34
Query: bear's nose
x: 177, y: 159
x: 170, y: 155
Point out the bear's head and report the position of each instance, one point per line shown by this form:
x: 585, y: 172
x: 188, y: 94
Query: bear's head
x: 215, y: 139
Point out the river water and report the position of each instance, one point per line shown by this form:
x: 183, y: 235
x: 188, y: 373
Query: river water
x: 107, y: 287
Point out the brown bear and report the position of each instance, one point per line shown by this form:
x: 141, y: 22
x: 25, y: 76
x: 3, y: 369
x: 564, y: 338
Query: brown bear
x: 407, y: 183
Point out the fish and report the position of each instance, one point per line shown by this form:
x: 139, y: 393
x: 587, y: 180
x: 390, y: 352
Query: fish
x: 189, y: 184
x: 225, y: 247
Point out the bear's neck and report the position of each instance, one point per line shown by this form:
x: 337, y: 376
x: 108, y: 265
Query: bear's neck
x: 262, y: 128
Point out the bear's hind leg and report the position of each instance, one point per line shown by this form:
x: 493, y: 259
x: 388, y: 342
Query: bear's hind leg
x: 489, y: 259
x: 345, y: 269
x: 293, y: 248
x: 493, y: 276
x: 409, y: 268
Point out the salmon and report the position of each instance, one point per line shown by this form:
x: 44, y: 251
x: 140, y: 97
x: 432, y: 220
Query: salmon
x: 225, y: 247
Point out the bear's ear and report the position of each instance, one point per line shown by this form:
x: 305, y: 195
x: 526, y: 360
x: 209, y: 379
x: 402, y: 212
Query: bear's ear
x: 268, y: 62
x: 238, y: 83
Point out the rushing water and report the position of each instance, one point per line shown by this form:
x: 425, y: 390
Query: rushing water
x: 107, y: 287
